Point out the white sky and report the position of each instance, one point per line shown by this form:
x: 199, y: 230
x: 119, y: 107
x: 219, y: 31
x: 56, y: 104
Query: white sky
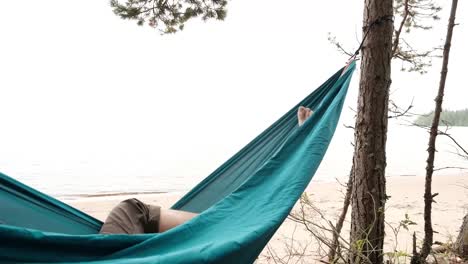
x: 83, y: 90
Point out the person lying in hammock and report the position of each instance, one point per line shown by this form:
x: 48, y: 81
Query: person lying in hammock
x: 135, y: 217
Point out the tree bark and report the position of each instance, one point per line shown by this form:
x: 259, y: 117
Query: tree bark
x: 461, y: 245
x: 428, y: 196
x: 368, y: 196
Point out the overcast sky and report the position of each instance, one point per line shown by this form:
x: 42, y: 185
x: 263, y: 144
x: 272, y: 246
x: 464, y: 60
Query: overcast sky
x: 83, y: 90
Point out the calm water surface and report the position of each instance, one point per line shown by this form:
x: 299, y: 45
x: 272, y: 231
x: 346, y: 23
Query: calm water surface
x: 140, y: 171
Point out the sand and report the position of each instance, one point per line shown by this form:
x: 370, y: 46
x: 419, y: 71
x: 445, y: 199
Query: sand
x: 406, y: 198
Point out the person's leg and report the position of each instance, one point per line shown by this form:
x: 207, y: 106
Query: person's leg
x: 171, y: 218
x: 135, y: 217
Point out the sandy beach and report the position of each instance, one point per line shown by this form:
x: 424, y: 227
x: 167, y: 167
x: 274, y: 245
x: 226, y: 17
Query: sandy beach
x: 406, y: 197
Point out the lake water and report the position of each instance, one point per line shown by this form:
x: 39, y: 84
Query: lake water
x: 141, y: 172
x: 406, y: 152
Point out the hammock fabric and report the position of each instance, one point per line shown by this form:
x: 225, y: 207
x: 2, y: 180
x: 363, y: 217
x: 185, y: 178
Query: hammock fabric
x: 242, y: 203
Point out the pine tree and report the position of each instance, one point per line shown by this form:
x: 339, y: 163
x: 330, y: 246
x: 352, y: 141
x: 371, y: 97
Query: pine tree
x: 169, y: 16
x: 368, y: 196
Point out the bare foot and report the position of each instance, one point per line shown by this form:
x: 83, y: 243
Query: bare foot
x: 302, y: 114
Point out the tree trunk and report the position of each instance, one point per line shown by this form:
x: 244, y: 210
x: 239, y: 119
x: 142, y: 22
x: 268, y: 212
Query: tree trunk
x: 428, y: 196
x: 339, y: 224
x: 461, y: 245
x: 368, y: 196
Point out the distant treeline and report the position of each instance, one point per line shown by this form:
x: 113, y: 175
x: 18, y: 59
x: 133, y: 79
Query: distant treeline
x: 451, y: 118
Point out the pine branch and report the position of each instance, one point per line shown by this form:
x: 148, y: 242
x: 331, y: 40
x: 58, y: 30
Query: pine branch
x: 169, y: 17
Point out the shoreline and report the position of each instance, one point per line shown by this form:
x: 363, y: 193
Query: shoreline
x: 342, y: 180
x: 110, y: 194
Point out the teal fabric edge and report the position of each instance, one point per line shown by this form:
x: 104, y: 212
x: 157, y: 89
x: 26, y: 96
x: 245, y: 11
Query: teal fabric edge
x: 37, y: 198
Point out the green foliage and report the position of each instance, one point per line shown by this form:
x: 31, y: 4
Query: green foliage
x: 418, y: 12
x: 169, y: 16
x: 451, y: 118
x: 405, y: 223
x: 411, y: 15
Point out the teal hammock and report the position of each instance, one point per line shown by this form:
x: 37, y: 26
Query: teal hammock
x: 241, y: 204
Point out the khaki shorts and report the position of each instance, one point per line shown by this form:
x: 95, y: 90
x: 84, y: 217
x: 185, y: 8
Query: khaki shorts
x: 132, y: 217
